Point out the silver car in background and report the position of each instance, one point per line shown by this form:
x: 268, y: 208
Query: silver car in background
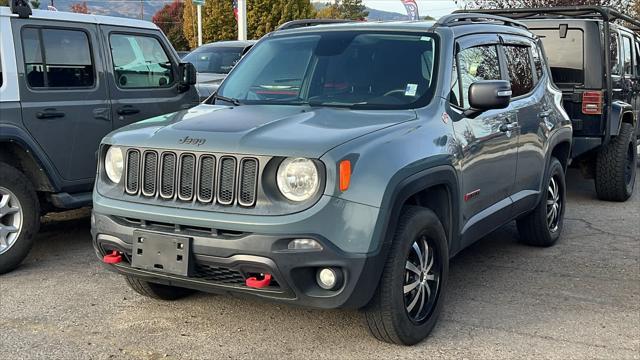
x: 213, y: 62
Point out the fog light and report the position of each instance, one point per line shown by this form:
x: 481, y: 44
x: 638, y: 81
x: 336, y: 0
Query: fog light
x: 304, y: 244
x: 329, y: 278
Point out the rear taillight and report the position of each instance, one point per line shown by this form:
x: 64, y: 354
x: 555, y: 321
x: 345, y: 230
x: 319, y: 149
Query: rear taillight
x: 592, y: 102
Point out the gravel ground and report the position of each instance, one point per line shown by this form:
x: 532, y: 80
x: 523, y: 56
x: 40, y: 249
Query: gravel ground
x: 579, y: 299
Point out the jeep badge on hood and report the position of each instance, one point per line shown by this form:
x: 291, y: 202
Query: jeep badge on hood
x: 192, y: 141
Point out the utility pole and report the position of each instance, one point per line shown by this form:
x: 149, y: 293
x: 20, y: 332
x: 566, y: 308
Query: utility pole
x: 199, y: 25
x: 242, y: 19
x: 141, y: 9
x: 199, y: 4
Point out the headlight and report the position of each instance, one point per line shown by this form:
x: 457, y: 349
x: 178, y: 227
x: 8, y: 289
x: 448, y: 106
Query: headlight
x: 114, y: 164
x: 298, y: 179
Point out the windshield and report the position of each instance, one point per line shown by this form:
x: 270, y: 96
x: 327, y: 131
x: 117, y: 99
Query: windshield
x: 217, y: 60
x: 348, y: 68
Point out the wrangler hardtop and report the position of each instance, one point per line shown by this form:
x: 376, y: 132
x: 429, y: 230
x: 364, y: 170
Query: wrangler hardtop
x: 67, y: 80
x: 594, y: 56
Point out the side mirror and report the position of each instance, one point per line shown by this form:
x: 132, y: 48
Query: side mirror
x: 188, y: 75
x: 488, y: 95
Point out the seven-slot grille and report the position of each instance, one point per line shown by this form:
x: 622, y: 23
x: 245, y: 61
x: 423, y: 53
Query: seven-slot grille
x: 205, y: 178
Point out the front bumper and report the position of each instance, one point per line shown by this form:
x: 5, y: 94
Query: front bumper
x: 224, y: 259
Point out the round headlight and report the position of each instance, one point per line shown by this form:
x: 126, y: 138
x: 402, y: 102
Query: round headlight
x: 298, y: 179
x: 114, y: 164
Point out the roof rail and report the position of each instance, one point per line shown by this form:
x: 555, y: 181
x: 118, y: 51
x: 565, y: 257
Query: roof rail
x: 579, y: 12
x: 293, y: 24
x: 462, y: 17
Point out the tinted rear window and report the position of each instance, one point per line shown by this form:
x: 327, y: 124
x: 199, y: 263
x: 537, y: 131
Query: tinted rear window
x: 565, y: 54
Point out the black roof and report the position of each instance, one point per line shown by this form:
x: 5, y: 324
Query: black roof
x: 567, y: 12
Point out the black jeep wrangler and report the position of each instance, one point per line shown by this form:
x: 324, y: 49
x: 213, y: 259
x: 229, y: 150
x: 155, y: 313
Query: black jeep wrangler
x: 600, y: 81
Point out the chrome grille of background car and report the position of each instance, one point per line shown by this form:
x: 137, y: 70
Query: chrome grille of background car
x: 205, y: 178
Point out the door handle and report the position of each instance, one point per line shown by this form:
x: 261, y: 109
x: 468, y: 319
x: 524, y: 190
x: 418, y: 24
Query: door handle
x: 49, y: 114
x: 544, y: 114
x: 508, y: 127
x: 128, y: 110
x: 101, y: 113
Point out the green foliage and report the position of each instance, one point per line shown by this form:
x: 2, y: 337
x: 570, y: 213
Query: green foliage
x: 4, y: 2
x: 169, y: 19
x: 263, y: 16
x: 343, y: 9
x: 35, y: 4
x: 218, y: 22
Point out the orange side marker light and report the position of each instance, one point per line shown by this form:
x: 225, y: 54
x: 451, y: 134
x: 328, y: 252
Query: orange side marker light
x: 345, y: 174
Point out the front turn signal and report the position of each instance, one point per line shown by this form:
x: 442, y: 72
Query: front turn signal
x: 345, y: 174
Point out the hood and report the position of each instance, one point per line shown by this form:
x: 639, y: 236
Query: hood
x: 257, y: 129
x: 205, y: 78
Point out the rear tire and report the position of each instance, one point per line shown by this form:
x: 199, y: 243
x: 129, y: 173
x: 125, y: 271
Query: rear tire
x: 616, y: 166
x: 410, y: 295
x: 157, y: 291
x: 543, y: 225
x: 19, y: 217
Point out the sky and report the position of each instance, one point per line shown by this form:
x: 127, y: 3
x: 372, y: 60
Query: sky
x: 435, y: 8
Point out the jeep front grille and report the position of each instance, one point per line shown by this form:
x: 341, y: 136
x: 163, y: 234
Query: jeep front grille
x: 186, y: 177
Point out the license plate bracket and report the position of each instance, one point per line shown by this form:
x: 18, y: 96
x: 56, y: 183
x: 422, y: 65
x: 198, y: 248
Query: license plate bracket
x: 163, y: 253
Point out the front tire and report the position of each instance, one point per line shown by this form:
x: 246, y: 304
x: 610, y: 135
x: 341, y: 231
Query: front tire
x: 157, y: 291
x: 19, y: 217
x: 616, y: 166
x: 543, y: 225
x: 410, y: 295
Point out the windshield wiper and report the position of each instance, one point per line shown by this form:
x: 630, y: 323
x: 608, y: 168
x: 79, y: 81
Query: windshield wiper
x: 336, y: 103
x: 233, y: 101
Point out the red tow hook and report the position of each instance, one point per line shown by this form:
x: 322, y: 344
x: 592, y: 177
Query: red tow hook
x: 112, y: 258
x: 254, y: 282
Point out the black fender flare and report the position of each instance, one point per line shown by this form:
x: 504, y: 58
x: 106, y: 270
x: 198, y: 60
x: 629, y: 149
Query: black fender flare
x: 402, y: 186
x: 10, y: 133
x: 618, y: 110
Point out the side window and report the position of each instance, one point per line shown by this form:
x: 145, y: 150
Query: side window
x: 637, y: 58
x: 475, y: 64
x: 627, y: 62
x: 537, y: 61
x: 140, y: 62
x: 65, y: 63
x: 520, y: 70
x: 616, y: 68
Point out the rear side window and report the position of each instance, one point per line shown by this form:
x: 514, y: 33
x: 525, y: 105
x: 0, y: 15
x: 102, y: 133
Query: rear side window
x: 140, y: 62
x: 520, y: 69
x: 537, y: 61
x: 614, y: 42
x: 565, y: 54
x: 475, y: 64
x: 638, y: 58
x: 627, y: 62
x: 57, y: 58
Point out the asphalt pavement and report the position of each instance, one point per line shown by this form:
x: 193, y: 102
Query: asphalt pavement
x: 579, y: 299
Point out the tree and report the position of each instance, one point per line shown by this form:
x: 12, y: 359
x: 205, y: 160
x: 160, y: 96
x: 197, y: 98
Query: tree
x: 263, y: 16
x: 4, y: 2
x: 189, y: 25
x: 169, y: 19
x: 344, y: 9
x: 623, y: 6
x: 35, y: 4
x: 218, y: 22
x: 80, y: 8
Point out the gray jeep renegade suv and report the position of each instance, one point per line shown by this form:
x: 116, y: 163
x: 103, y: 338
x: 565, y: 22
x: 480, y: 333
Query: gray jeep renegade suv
x: 342, y: 166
